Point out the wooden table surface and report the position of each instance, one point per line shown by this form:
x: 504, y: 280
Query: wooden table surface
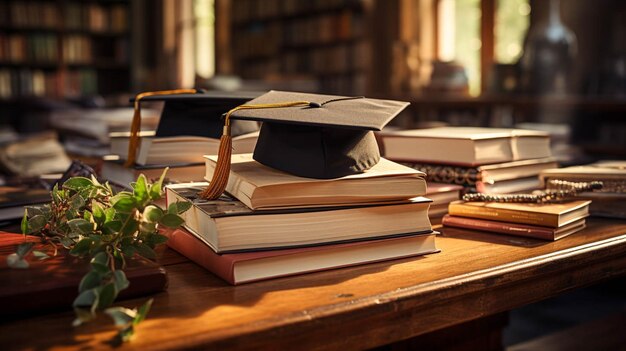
x: 475, y: 275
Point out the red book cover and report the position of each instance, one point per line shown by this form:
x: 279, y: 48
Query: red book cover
x: 545, y: 233
x: 52, y: 284
x: 224, y: 265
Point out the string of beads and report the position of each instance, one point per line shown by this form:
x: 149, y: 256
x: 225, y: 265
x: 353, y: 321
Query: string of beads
x: 556, y: 191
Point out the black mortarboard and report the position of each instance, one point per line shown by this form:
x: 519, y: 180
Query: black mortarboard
x: 313, y: 135
x: 194, y: 112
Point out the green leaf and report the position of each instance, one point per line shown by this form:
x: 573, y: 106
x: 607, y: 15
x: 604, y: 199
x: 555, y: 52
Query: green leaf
x: 40, y: 255
x: 109, y: 214
x: 128, y: 250
x: 77, y: 183
x: 78, y: 202
x: 126, y: 334
x: 15, y: 261
x: 124, y: 203
x: 173, y: 208
x: 143, y: 312
x: 35, y: 210
x: 121, y: 316
x: 172, y: 220
x: 100, y: 263
x: 81, y: 226
x: 82, y: 247
x: 90, y: 280
x: 23, y: 249
x: 152, y: 214
x: 156, y: 189
x: 145, y: 251
x: 37, y: 223
x: 140, y: 190
x: 130, y: 227
x: 120, y: 280
x: 182, y: 206
x: 112, y: 227
x: 87, y: 298
x: 83, y: 315
x: 24, y: 225
x: 98, y: 212
x: 106, y: 296
x: 56, y: 194
x: 67, y: 242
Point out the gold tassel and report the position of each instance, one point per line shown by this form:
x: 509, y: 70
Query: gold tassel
x: 135, y: 126
x: 219, y: 181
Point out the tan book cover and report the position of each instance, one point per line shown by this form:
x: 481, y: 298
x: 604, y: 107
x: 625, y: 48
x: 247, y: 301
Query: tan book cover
x: 547, y: 215
x: 469, y: 146
x: 261, y: 187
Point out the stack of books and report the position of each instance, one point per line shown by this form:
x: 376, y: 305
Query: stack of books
x: 541, y: 221
x: 489, y: 160
x: 610, y: 201
x: 272, y: 224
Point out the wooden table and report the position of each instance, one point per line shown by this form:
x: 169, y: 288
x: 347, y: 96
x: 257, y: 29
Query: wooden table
x: 475, y: 275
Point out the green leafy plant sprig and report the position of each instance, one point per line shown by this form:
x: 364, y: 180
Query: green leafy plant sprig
x: 107, y: 228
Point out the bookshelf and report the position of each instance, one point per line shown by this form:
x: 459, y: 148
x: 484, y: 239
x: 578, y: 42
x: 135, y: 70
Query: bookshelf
x: 64, y: 49
x: 322, y: 40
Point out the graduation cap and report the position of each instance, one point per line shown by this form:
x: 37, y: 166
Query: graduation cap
x: 309, y: 135
x: 190, y: 112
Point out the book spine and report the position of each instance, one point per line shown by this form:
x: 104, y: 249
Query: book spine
x: 466, y: 176
x: 498, y: 227
x: 195, y: 250
x: 503, y: 215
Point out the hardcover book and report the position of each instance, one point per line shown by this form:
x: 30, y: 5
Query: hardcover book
x: 469, y: 146
x: 227, y: 225
x: 52, y: 284
x: 113, y: 170
x: 237, y: 268
x: 547, y: 215
x: 262, y: 187
x: 531, y: 231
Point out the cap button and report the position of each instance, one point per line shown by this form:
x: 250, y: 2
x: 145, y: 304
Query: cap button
x: 315, y: 104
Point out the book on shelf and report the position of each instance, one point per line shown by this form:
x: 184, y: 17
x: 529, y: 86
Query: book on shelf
x: 262, y: 187
x: 228, y: 225
x: 468, y: 146
x: 244, y: 267
x: 489, y: 174
x: 531, y: 231
x: 114, y: 171
x: 52, y: 284
x: 548, y: 215
x: 177, y: 149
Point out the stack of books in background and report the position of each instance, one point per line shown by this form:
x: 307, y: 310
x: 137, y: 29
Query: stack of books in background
x: 541, y: 221
x: 274, y: 224
x: 610, y: 201
x: 489, y: 160
x: 189, y: 127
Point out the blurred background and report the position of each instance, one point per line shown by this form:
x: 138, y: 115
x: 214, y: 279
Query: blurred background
x: 69, y: 66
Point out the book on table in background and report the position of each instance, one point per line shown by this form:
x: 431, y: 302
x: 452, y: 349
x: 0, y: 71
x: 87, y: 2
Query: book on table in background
x: 228, y: 225
x: 52, y: 284
x: 114, y: 171
x: 547, y: 215
x: 244, y: 267
x: 521, y: 185
x: 153, y: 149
x: 34, y: 155
x: 486, y: 174
x: 610, y: 201
x: 468, y: 146
x: 441, y: 195
x: 262, y: 187
x: 531, y: 231
x: 14, y: 198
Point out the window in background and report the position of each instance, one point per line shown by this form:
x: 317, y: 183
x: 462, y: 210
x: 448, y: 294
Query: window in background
x: 204, y: 20
x: 512, y: 21
x: 459, y: 37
